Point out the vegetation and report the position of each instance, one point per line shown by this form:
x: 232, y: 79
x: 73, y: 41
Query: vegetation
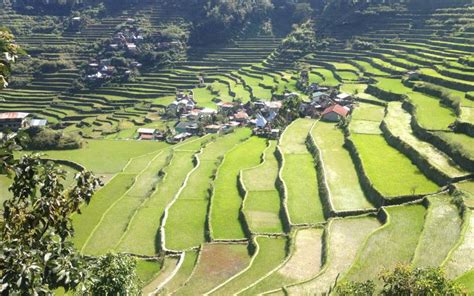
x: 405, y: 280
x: 238, y: 213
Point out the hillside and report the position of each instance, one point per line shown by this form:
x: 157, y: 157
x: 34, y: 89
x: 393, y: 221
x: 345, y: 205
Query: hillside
x: 283, y: 161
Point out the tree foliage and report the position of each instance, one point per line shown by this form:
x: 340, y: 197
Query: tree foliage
x: 8, y: 52
x: 113, y: 275
x: 36, y: 253
x: 405, y: 280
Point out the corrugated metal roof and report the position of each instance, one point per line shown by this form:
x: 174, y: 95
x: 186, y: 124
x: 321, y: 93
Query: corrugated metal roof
x: 13, y: 115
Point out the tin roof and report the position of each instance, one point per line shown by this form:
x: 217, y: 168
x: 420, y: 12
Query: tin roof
x: 13, y: 115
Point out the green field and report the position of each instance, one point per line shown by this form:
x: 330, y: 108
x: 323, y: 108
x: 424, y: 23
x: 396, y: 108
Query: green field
x: 185, y: 225
x: 303, y: 263
x: 270, y: 253
x: 217, y: 263
x: 338, y: 168
x: 404, y: 227
x: 262, y: 203
x: 441, y: 232
x: 398, y: 122
x: 389, y: 170
x: 226, y: 200
x: 346, y: 238
x: 106, y: 156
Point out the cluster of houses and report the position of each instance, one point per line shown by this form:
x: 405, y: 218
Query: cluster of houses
x: 325, y: 103
x: 14, y: 121
x: 127, y: 39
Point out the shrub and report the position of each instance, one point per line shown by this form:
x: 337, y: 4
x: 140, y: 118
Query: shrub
x: 48, y: 139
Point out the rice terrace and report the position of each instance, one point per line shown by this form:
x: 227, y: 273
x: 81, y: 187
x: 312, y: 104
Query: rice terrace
x: 237, y: 147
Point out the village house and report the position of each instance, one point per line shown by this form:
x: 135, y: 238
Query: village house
x: 227, y: 108
x: 187, y: 127
x: 241, y: 117
x: 214, y: 128
x: 319, y: 96
x: 344, y: 99
x: 335, y: 113
x: 38, y: 123
x: 273, y: 106
x: 149, y: 134
x: 13, y: 121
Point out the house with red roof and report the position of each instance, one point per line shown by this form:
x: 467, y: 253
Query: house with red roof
x: 335, y: 113
x: 13, y: 121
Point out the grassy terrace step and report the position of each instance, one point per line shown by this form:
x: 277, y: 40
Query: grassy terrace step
x: 225, y: 216
x: 303, y: 263
x: 389, y: 171
x: 185, y: 224
x: 338, y: 169
x: 154, y: 280
x: 143, y: 222
x: 114, y: 220
x: 270, y: 253
x: 397, y: 121
x: 461, y: 260
x: 391, y: 244
x: 216, y: 264
x: 299, y: 175
x: 345, y: 238
x: 262, y: 202
x: 442, y: 230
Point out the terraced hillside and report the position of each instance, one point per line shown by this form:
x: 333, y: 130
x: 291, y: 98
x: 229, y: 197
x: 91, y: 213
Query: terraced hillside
x: 239, y: 214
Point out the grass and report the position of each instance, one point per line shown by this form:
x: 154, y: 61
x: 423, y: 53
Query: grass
x: 185, y: 226
x: 460, y: 260
x: 389, y: 170
x: 299, y: 176
x: 398, y: 122
x: 393, y: 85
x: 204, y: 97
x: 144, y: 226
x: 339, y: 168
x: 462, y: 142
x: 262, y: 205
x: 147, y: 270
x: 5, y: 182
x: 271, y: 253
x: 430, y: 113
x: 369, y: 69
x: 467, y: 281
x: 115, y: 220
x: 106, y: 156
x: 328, y: 77
x: 304, y: 263
x: 217, y: 263
x: 346, y: 238
x: 183, y: 274
x: 441, y: 232
x: 85, y: 222
x: 226, y: 201
x: 293, y: 140
x: 168, y: 266
x: 392, y: 244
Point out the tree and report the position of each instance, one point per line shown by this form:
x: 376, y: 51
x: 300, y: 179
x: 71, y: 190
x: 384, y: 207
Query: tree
x: 405, y: 280
x: 36, y: 253
x: 356, y: 289
x: 113, y: 275
x: 8, y: 52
